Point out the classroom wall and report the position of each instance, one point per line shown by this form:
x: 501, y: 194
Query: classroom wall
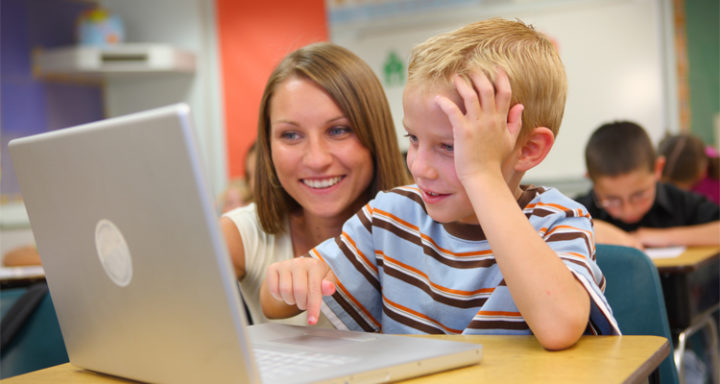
x: 254, y: 36
x: 614, y: 51
x: 703, y: 51
x: 30, y: 105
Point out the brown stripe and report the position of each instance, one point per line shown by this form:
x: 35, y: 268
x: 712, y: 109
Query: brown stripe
x: 410, y: 195
x: 414, y: 238
x: 567, y: 236
x: 420, y: 284
x: 423, y: 327
x: 580, y: 263
x: 362, y: 216
x: 472, y: 232
x: 352, y: 311
x: 373, y: 280
x: 541, y: 212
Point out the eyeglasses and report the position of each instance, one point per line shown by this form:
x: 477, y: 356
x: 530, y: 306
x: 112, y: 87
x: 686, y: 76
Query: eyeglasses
x: 617, y: 202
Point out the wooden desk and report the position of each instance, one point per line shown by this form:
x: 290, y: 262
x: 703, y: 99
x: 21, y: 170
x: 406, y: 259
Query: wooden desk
x: 506, y: 359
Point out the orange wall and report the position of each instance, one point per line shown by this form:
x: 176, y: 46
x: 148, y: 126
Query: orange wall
x: 253, y: 38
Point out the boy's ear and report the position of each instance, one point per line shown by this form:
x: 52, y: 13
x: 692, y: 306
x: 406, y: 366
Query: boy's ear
x: 536, y: 146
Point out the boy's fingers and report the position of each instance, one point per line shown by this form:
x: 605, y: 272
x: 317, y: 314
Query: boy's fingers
x: 327, y: 288
x: 514, y: 119
x: 469, y: 96
x: 300, y: 288
x: 503, y: 91
x: 271, y: 280
x: 450, y: 109
x: 485, y: 90
x: 285, y: 286
x: 314, y: 296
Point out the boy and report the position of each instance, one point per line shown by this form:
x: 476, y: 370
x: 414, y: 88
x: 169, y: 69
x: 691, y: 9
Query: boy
x: 630, y: 206
x: 466, y: 249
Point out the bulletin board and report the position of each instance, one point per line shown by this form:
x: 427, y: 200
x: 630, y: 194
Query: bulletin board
x: 615, y: 53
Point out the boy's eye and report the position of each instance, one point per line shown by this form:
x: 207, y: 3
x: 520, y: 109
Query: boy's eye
x: 447, y: 147
x: 411, y: 138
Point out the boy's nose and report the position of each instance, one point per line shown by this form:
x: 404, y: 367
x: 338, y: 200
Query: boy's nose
x: 420, y: 166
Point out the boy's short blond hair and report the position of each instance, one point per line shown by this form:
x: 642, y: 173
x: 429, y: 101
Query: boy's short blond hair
x: 530, y: 59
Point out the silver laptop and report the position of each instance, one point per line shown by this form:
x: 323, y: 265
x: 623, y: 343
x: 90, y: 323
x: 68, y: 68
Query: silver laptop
x: 141, y: 279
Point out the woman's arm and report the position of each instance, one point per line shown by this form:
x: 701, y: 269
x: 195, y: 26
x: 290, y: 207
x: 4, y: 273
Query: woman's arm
x: 235, y: 246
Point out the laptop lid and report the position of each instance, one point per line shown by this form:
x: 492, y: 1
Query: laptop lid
x: 138, y: 271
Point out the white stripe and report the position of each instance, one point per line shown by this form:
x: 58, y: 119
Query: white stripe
x: 428, y: 284
x: 598, y: 302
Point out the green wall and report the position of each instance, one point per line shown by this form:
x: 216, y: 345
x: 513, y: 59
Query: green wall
x: 703, y: 41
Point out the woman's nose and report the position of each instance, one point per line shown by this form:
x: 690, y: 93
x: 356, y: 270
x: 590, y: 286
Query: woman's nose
x: 318, y: 153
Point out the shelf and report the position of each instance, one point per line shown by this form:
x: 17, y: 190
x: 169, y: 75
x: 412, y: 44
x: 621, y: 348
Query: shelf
x: 121, y: 59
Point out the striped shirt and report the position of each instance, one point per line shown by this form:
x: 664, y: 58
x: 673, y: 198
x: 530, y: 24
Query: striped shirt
x: 399, y: 271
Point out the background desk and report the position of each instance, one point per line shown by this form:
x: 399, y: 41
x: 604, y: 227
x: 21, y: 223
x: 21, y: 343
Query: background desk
x: 691, y: 286
x: 506, y: 359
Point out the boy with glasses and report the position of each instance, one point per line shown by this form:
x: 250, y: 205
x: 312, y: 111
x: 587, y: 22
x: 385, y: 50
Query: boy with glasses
x: 630, y: 206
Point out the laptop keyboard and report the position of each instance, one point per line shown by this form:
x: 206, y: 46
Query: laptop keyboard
x: 276, y: 363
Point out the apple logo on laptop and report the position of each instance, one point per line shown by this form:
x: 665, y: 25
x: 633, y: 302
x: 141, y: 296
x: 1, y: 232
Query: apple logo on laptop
x: 113, y: 252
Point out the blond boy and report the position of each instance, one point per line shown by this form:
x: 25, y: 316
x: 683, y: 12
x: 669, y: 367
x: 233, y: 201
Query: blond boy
x: 467, y: 249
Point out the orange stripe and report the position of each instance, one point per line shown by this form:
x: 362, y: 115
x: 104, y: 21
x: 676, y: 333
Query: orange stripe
x: 586, y: 232
x: 441, y: 288
x: 418, y: 314
x: 429, y: 239
x: 576, y: 254
x: 357, y: 304
x: 499, y: 313
x: 354, y: 245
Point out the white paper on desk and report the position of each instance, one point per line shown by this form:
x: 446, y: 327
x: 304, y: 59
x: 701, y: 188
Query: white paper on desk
x: 10, y: 273
x: 665, y: 252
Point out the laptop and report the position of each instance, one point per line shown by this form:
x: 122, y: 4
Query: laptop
x: 141, y: 279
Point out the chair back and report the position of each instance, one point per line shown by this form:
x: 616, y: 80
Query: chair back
x: 31, y: 337
x: 635, y: 294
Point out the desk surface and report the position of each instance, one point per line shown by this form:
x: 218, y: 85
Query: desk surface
x: 690, y: 260
x: 507, y: 359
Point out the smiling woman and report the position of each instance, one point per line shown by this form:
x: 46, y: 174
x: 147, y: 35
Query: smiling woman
x: 326, y: 144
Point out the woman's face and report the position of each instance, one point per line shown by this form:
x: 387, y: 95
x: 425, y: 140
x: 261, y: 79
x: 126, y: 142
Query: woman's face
x: 318, y: 158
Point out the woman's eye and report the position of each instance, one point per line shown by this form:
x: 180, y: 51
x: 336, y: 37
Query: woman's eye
x: 340, y: 130
x: 411, y: 138
x: 289, y: 135
x: 446, y: 147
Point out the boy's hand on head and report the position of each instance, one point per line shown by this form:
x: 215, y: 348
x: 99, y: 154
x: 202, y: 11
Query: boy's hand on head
x: 302, y: 282
x: 485, y: 135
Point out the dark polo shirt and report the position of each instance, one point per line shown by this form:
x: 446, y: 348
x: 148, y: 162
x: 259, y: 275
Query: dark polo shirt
x: 673, y: 207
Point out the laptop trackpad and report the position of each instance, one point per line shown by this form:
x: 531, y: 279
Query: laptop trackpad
x: 324, y: 340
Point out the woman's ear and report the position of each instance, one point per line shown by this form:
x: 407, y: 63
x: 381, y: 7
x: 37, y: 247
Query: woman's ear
x: 536, y: 146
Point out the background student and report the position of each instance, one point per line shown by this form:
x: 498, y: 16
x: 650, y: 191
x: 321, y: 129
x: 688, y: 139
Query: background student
x: 326, y: 144
x: 628, y: 203
x: 466, y: 250
x: 691, y: 165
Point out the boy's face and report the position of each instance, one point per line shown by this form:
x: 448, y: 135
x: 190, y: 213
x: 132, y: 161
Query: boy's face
x: 627, y: 197
x: 430, y: 156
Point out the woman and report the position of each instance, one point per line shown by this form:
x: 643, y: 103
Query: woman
x: 326, y: 144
